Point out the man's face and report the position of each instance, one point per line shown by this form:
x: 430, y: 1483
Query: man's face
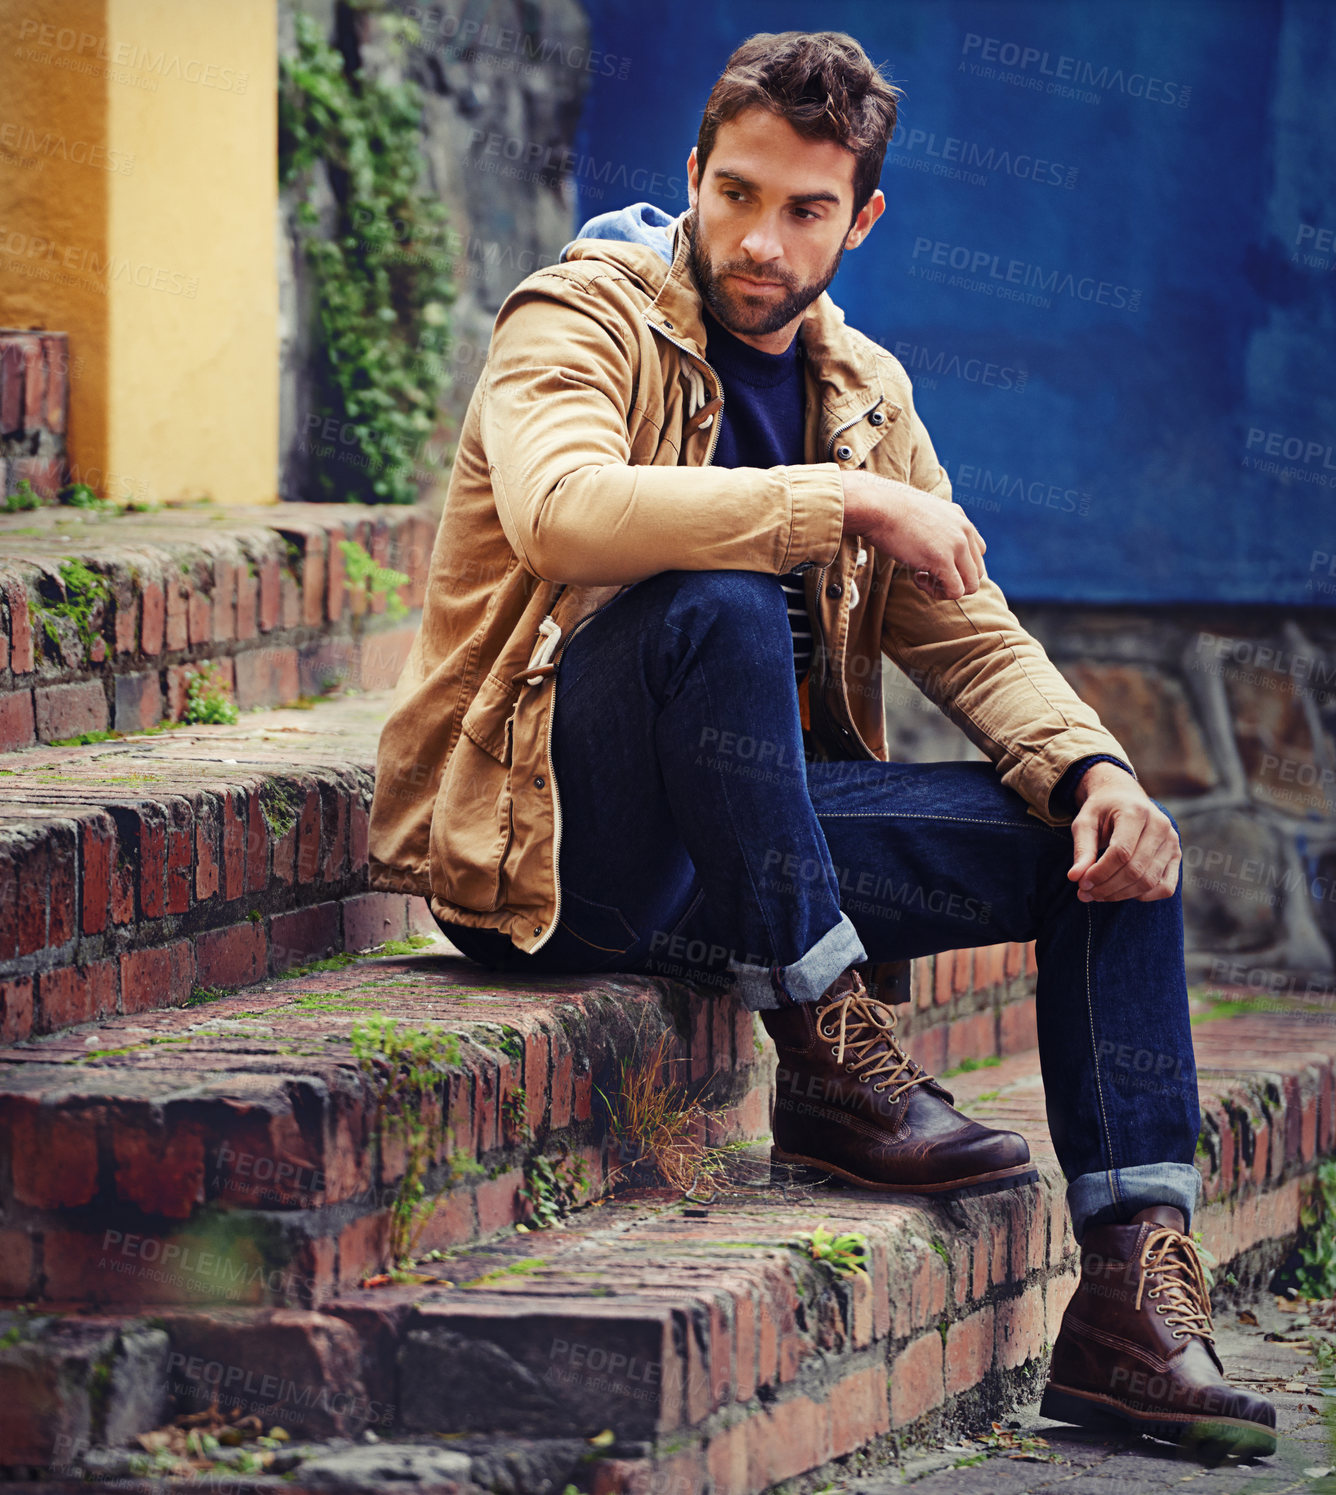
x: 772, y: 219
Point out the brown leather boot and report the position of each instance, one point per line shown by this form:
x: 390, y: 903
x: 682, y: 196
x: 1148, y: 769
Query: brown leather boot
x: 1135, y: 1352
x: 849, y: 1101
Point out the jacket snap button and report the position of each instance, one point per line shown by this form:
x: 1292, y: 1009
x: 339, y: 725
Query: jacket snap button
x: 844, y: 452
x: 835, y: 589
x: 538, y: 929
x: 878, y: 417
x: 540, y: 782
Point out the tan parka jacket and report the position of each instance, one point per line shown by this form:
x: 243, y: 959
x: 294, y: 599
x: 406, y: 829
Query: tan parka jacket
x: 583, y: 466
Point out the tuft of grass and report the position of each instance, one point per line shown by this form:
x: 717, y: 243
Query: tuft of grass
x: 654, y: 1127
x: 968, y: 1066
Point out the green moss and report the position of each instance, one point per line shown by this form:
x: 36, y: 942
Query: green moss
x: 520, y: 1268
x: 404, y: 946
x: 967, y: 1066
x: 280, y: 804
x: 314, y: 967
x: 85, y: 596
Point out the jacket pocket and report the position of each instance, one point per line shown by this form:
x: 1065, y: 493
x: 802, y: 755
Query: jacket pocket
x: 473, y: 819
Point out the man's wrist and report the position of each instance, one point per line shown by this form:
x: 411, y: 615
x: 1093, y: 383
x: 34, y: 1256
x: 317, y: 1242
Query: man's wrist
x: 1099, y: 771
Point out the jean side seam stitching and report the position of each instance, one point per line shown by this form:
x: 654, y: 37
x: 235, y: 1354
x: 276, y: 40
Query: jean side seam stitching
x: 1094, y: 1052
x: 920, y: 815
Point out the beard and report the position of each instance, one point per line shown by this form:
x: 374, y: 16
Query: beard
x: 753, y: 315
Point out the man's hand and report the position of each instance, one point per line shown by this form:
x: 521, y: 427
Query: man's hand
x: 924, y: 533
x: 1140, y: 850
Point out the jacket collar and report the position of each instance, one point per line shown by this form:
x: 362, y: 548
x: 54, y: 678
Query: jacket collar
x: 846, y: 374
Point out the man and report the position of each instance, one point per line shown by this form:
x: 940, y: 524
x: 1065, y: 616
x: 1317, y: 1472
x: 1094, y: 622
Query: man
x: 689, y: 512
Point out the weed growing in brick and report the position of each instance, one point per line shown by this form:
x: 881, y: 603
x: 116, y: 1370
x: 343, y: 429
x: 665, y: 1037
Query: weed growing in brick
x: 24, y: 497
x: 552, y: 1188
x: 845, y: 1254
x: 1315, y: 1274
x: 409, y: 1067
x: 656, y: 1128
x: 365, y: 578
x: 86, y: 595
x: 208, y: 700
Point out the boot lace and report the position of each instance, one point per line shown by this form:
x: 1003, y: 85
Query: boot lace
x: 865, y: 1030
x: 1169, y: 1259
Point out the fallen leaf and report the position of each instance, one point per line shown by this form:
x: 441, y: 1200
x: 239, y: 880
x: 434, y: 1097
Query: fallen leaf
x: 381, y: 1279
x: 1290, y: 1305
x: 1248, y: 1317
x: 1296, y: 1386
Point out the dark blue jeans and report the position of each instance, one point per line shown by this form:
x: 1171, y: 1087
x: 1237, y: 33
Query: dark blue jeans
x: 698, y: 841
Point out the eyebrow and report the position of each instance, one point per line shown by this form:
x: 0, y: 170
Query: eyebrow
x: 723, y: 174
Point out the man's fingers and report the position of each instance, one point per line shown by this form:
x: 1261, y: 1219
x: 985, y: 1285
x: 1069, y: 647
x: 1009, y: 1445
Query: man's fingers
x: 1085, y: 844
x: 1111, y: 871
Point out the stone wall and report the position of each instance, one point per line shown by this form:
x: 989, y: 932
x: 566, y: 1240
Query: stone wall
x: 1230, y: 717
x: 504, y: 83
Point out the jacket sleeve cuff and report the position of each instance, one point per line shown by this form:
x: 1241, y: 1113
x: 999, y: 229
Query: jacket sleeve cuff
x: 1062, y: 801
x: 816, y: 506
x: 1037, y: 775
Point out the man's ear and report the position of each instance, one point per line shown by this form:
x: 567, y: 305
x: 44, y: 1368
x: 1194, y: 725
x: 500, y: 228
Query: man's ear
x: 693, y: 178
x: 859, y: 229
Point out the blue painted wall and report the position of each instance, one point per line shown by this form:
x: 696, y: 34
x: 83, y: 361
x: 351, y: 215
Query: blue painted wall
x: 1108, y: 261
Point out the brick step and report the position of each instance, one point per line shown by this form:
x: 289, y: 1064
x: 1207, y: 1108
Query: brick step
x: 262, y: 594
x: 716, y: 1354
x: 237, y: 1150
x: 134, y: 872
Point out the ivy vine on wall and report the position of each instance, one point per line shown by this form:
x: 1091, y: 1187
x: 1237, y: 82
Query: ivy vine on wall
x: 384, y: 278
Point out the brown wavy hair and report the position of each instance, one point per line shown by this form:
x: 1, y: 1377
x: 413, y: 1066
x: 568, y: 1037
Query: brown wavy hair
x: 823, y: 83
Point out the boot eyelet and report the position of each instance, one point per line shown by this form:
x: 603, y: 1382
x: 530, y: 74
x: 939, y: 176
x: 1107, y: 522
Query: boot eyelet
x: 1178, y: 1335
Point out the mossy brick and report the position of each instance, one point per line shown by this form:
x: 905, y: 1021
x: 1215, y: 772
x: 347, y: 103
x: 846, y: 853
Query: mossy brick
x: 336, y: 593
x: 1019, y: 1327
x: 258, y: 839
x: 152, y: 617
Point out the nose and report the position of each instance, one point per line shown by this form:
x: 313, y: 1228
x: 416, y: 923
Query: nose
x: 761, y: 242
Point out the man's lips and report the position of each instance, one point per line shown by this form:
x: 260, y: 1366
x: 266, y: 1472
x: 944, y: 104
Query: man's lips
x: 758, y: 285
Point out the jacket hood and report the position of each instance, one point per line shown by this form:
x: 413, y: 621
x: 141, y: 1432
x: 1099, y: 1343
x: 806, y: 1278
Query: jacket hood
x: 641, y: 223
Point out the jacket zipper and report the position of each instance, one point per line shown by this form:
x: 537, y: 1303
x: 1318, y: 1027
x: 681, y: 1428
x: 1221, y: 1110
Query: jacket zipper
x: 552, y: 711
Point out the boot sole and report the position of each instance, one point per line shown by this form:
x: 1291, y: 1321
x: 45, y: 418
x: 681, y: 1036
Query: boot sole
x: 804, y: 1170
x: 1209, y: 1436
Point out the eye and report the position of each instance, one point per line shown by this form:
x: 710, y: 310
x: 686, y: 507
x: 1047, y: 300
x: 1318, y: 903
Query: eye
x: 805, y: 213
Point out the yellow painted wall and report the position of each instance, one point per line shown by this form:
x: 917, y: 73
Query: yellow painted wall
x: 55, y: 186
x: 167, y: 233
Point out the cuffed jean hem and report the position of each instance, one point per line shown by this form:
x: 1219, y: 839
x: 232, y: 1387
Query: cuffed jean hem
x: 1112, y: 1198
x: 765, y: 988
